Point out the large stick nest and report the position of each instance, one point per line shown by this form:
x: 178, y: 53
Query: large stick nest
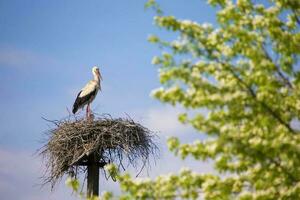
x: 119, y: 141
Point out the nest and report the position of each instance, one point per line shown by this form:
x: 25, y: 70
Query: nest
x: 119, y: 141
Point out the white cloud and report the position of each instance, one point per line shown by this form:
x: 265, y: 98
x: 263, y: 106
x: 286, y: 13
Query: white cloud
x: 169, y: 163
x: 20, y: 174
x: 164, y: 120
x: 23, y: 58
x: 14, y: 57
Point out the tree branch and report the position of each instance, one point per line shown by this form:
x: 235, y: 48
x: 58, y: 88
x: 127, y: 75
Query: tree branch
x: 263, y: 104
x: 296, y: 16
x: 280, y: 74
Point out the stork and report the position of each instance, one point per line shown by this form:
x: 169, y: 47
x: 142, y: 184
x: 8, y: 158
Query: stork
x: 88, y: 93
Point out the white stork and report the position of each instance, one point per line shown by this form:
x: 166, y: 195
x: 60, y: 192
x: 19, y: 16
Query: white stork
x: 88, y: 93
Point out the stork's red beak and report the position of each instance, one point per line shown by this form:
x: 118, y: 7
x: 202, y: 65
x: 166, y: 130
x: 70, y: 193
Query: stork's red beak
x: 99, y: 74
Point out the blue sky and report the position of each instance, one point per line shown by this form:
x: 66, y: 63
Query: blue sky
x: 47, y: 50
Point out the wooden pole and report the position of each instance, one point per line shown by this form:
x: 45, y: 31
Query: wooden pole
x: 93, y: 176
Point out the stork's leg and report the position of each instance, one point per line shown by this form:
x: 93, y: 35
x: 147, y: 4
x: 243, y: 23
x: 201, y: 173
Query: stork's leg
x: 87, y: 111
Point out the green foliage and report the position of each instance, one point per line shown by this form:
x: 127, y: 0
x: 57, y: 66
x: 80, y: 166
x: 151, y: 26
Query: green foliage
x: 152, y: 4
x: 245, y: 73
x: 74, y: 184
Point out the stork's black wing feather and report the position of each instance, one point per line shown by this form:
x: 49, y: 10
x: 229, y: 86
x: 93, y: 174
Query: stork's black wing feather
x: 76, y: 103
x: 81, y: 101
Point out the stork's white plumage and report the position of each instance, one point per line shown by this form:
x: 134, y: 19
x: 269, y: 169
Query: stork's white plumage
x: 88, y: 93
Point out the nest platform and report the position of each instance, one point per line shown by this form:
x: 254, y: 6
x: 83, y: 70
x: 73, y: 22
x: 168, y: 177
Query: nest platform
x: 71, y: 143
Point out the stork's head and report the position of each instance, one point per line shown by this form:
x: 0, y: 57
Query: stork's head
x: 96, y: 72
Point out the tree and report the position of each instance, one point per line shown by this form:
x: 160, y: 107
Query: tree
x: 245, y: 72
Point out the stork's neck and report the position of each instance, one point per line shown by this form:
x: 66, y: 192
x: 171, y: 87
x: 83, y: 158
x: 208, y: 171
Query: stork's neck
x: 97, y: 78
